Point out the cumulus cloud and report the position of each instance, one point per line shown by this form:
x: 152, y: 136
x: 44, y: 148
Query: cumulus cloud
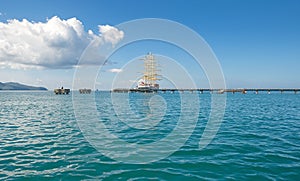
x: 111, y: 34
x: 56, y: 43
x: 115, y: 70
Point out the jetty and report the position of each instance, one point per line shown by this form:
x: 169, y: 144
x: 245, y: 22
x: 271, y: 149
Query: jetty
x: 148, y: 84
x: 218, y: 91
x: 61, y: 91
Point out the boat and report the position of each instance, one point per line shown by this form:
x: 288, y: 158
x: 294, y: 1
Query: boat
x: 147, y: 87
x: 61, y: 91
x: 85, y: 91
x: 148, y: 82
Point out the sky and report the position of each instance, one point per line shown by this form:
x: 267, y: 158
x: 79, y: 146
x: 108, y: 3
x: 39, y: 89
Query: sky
x: 257, y: 43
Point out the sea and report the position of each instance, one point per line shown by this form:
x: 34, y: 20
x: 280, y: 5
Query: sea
x: 140, y: 136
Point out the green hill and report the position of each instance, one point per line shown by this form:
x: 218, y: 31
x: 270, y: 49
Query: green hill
x: 18, y: 86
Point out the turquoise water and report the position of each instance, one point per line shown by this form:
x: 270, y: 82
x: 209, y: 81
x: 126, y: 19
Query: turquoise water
x: 259, y: 139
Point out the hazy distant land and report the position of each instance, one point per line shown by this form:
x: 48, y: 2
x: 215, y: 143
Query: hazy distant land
x: 18, y: 86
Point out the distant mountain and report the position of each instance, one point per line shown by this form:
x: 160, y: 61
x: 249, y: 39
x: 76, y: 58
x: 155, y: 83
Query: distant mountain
x: 18, y: 86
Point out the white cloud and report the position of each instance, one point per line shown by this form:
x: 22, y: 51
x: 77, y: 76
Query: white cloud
x: 55, y: 43
x: 115, y: 70
x: 111, y: 34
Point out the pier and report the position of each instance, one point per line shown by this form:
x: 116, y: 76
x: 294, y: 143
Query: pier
x: 148, y: 83
x: 201, y: 91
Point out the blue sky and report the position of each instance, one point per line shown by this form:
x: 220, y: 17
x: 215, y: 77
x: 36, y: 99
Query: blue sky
x: 256, y: 42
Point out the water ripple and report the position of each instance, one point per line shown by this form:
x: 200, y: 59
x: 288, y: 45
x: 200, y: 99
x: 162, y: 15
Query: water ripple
x: 258, y: 140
